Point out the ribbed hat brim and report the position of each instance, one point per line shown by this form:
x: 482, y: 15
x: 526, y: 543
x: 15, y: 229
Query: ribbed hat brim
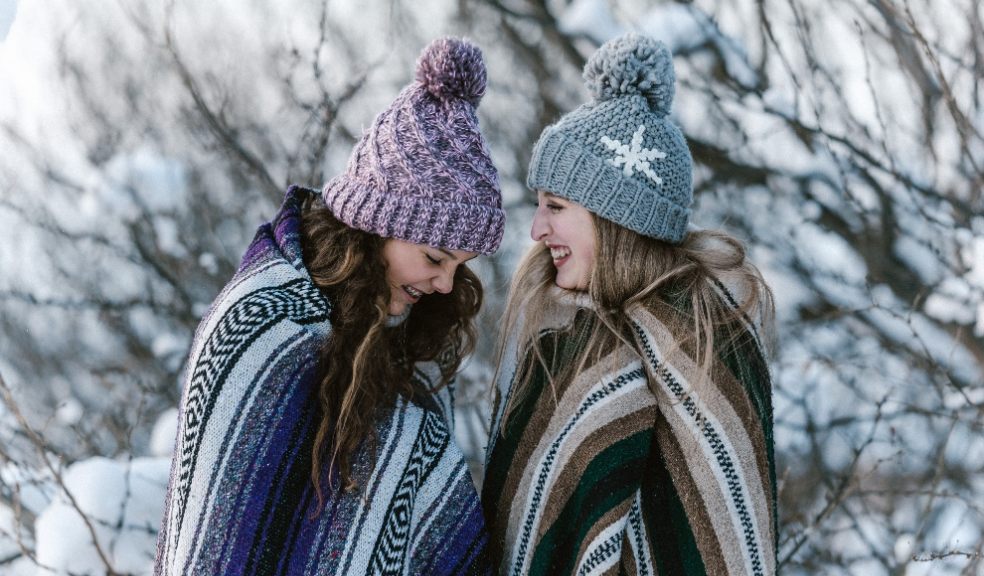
x: 452, y: 225
x: 561, y: 166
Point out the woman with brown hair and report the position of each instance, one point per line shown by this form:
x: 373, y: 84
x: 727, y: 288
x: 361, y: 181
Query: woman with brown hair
x: 316, y: 427
x: 632, y: 429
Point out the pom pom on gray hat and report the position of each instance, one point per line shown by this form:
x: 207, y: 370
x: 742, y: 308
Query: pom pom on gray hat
x: 621, y: 156
x: 632, y: 64
x: 423, y: 172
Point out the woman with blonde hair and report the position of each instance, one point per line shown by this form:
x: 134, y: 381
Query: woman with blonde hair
x: 632, y: 428
x: 316, y: 426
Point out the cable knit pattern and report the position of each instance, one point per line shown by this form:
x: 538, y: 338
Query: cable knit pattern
x: 423, y: 172
x: 240, y: 498
x: 632, y: 81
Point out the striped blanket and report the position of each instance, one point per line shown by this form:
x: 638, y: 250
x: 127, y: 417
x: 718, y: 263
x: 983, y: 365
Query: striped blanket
x: 627, y: 473
x: 240, y: 498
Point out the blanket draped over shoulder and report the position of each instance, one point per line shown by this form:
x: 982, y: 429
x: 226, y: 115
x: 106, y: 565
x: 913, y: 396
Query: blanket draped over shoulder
x: 241, y: 499
x: 634, y: 467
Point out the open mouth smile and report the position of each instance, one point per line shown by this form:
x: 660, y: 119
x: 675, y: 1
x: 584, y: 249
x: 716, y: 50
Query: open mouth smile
x: 559, y: 254
x: 413, y: 292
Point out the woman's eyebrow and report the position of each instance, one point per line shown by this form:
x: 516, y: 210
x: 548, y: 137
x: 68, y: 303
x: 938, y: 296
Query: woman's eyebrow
x: 452, y: 256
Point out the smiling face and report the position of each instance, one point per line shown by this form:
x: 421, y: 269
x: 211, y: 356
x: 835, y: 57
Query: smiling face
x: 413, y: 270
x: 568, y: 230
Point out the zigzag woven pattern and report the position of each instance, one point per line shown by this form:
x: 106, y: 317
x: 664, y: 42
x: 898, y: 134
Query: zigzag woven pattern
x: 608, y: 549
x: 388, y: 557
x: 296, y: 300
x: 240, y: 499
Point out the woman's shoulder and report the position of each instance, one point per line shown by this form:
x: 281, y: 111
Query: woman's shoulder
x: 269, y: 292
x: 271, y: 282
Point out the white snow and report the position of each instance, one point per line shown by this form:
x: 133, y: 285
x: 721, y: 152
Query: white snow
x: 209, y: 262
x: 952, y: 302
x: 8, y: 11
x: 919, y: 258
x: 592, y: 18
x: 11, y: 531
x: 32, y: 486
x: 164, y: 433
x: 829, y: 252
x: 828, y: 368
x: 973, y: 257
x: 124, y: 502
x: 682, y: 26
x: 679, y: 26
x: 70, y: 412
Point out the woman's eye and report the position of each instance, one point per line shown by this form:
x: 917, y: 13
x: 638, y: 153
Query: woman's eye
x: 432, y: 260
x: 554, y: 207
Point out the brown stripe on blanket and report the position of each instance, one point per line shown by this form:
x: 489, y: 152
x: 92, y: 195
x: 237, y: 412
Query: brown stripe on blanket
x: 585, y: 451
x: 728, y: 402
x: 529, y: 440
x: 627, y: 563
x: 733, y: 395
x: 697, y: 512
x: 544, y: 426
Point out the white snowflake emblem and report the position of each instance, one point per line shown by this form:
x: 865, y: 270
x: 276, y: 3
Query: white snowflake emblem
x: 634, y: 157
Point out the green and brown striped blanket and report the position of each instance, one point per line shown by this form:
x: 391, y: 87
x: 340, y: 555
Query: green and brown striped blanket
x: 633, y: 469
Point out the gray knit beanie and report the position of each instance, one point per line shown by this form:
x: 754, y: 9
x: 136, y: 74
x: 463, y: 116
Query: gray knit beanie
x: 423, y: 172
x: 620, y: 156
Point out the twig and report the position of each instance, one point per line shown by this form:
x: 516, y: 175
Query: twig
x: 39, y: 445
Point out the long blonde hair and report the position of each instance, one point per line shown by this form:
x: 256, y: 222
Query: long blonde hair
x: 631, y: 270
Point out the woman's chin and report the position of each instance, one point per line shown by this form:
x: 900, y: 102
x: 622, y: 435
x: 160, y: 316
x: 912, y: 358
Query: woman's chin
x: 561, y: 284
x: 568, y: 284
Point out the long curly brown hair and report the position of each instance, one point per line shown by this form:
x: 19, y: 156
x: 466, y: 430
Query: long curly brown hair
x: 365, y: 365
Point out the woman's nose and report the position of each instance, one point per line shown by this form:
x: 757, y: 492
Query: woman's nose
x: 540, y: 228
x: 444, y: 282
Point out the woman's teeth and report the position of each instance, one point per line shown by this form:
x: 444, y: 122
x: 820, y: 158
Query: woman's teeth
x: 558, y: 253
x: 413, y: 291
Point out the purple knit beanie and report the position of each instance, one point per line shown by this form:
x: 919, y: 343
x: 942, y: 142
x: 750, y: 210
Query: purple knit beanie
x: 423, y: 172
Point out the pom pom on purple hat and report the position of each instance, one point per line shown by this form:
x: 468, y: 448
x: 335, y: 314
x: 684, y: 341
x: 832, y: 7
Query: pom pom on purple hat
x: 452, y: 68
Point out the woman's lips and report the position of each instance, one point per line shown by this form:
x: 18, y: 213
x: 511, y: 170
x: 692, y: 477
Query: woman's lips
x: 412, y: 293
x: 559, y: 255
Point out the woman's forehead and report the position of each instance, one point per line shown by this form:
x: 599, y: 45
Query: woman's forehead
x: 552, y: 196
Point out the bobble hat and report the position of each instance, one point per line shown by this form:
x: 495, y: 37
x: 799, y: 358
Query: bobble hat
x: 423, y: 173
x: 620, y: 155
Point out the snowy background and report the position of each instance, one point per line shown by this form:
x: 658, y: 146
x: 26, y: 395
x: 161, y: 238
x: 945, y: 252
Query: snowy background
x: 142, y: 142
